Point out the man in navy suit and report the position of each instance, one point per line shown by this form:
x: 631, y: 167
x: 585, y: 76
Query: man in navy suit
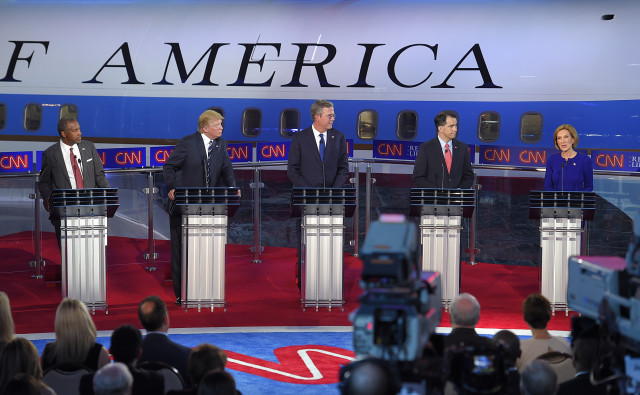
x: 306, y: 168
x: 431, y: 169
x: 57, y: 170
x: 189, y: 165
x: 156, y: 345
x: 318, y: 156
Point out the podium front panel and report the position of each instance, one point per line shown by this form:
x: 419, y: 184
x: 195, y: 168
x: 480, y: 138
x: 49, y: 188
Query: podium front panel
x: 440, y: 236
x: 203, y: 260
x: 82, y: 247
x: 323, y: 264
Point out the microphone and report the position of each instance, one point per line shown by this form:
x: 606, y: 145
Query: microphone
x: 324, y: 180
x: 562, y: 180
x: 442, y: 166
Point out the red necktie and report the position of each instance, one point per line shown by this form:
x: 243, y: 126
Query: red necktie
x: 77, y: 174
x: 447, y: 157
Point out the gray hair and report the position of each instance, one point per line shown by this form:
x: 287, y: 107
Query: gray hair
x: 465, y: 310
x: 538, y: 378
x: 113, y: 379
x: 318, y: 106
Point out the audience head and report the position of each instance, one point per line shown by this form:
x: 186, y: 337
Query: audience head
x: 537, y: 311
x: 113, y: 379
x: 7, y: 328
x: 126, y: 344
x: 152, y: 313
x: 510, y: 344
x: 217, y: 382
x: 369, y: 376
x: 19, y: 356
x: 75, y: 332
x: 464, y: 311
x: 205, y: 358
x: 538, y: 378
x: 23, y: 384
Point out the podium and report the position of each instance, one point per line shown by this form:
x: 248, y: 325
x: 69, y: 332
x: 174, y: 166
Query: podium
x: 323, y: 211
x: 83, y: 217
x: 561, y: 216
x: 205, y: 212
x: 441, y: 212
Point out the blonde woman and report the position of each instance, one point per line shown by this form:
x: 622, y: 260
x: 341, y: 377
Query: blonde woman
x: 75, y: 346
x: 19, y: 359
x: 7, y: 329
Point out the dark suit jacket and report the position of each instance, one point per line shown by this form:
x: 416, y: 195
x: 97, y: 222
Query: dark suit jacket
x: 466, y: 337
x: 430, y: 169
x: 581, y: 385
x: 305, y: 169
x: 145, y: 382
x: 158, y: 347
x: 53, y: 174
x: 186, y: 164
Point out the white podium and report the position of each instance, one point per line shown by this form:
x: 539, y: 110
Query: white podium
x: 204, y: 238
x: 561, y: 217
x: 83, y: 236
x: 323, y: 211
x: 441, y: 212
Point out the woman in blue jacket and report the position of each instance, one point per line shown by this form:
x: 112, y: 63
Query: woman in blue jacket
x: 568, y: 170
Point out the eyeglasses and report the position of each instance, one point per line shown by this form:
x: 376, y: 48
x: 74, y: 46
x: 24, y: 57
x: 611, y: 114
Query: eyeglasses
x: 331, y: 116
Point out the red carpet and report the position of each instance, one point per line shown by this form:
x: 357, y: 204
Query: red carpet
x: 261, y: 294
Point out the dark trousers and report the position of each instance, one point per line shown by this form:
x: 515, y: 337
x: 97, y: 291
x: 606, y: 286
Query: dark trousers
x: 175, y: 226
x: 56, y: 222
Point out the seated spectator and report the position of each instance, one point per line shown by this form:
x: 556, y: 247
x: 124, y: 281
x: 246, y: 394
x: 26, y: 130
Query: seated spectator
x: 20, y: 358
x: 537, y: 378
x: 113, y: 379
x: 584, y: 355
x: 126, y: 342
x: 217, y: 383
x: 7, y: 327
x: 75, y: 346
x: 464, y: 313
x: 369, y: 376
x: 537, y: 314
x: 156, y: 345
x: 23, y: 384
x: 203, y: 359
x: 510, y: 345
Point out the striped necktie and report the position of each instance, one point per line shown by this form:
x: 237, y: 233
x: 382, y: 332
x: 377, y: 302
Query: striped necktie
x: 322, y: 146
x: 209, y: 151
x: 77, y: 174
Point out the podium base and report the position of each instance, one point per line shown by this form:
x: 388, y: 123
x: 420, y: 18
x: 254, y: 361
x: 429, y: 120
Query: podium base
x: 322, y: 303
x: 204, y: 304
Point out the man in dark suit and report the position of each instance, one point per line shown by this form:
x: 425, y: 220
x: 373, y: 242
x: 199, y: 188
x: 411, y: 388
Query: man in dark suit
x: 444, y: 161
x: 306, y: 167
x: 126, y: 347
x: 71, y: 163
x: 585, y: 352
x: 318, y: 157
x: 156, y: 345
x: 198, y: 160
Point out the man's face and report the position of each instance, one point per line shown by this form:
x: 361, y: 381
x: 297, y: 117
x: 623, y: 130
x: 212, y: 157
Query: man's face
x: 324, y: 121
x: 72, y: 134
x: 449, y: 130
x: 213, y: 130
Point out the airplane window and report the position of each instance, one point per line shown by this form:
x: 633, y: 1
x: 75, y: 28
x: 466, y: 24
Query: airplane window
x: 289, y: 122
x: 69, y: 110
x: 251, y: 122
x: 489, y: 127
x: 32, y: 117
x: 367, y: 125
x: 531, y: 127
x: 407, y: 125
x: 3, y: 116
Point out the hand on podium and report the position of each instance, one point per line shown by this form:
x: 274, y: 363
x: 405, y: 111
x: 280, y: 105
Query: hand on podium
x: 47, y: 204
x: 172, y: 194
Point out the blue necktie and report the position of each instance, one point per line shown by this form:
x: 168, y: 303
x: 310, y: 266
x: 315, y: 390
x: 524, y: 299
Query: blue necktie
x: 209, y: 150
x: 322, y: 147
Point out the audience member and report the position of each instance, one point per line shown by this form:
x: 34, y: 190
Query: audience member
x: 217, y: 382
x: 369, y: 376
x: 156, y: 345
x: 510, y: 345
x: 126, y: 347
x: 23, y: 384
x: 584, y: 355
x: 20, y: 357
x: 113, y: 379
x: 7, y: 327
x: 538, y: 378
x: 203, y: 359
x: 464, y: 314
x: 75, y: 346
x: 537, y: 314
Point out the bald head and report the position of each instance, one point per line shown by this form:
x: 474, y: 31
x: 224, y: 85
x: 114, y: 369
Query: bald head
x: 464, y: 311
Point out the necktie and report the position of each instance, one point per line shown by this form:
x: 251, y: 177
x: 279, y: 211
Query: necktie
x: 77, y: 174
x: 322, y: 146
x: 209, y: 151
x: 447, y: 157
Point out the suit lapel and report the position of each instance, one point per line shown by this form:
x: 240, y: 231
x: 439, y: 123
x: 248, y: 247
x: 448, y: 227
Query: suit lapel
x: 311, y: 140
x: 61, y: 166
